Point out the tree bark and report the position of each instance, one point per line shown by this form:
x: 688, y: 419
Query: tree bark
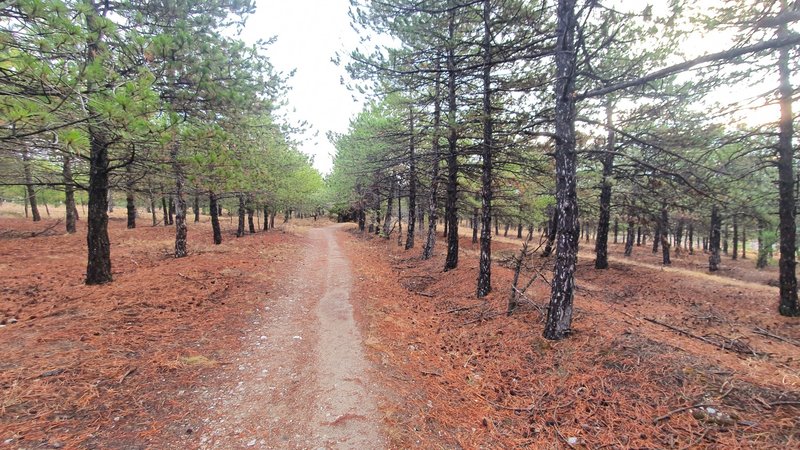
x: 266, y: 218
x: 691, y: 238
x: 240, y: 227
x: 164, y: 208
x: 250, y: 212
x: 714, y: 240
x: 153, y: 207
x: 387, y: 219
x: 629, y: 239
x: 487, y: 149
x: 788, y: 305
x: 30, y: 192
x: 657, y: 237
x: 171, y: 202
x: 451, y: 211
x: 601, y: 244
x: 559, y: 315
x: 552, y: 227
x: 196, y: 207
x: 735, y: 241
x: 69, y: 194
x: 181, y: 230
x: 664, y: 225
x: 130, y: 199
x: 213, y: 208
x: 412, y: 184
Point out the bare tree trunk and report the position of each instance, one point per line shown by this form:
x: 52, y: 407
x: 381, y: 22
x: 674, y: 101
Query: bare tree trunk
x: 69, y: 194
x: 266, y: 218
x: 487, y: 150
x: 664, y: 225
x: 412, y: 184
x: 552, y: 227
x: 714, y: 239
x: 629, y: 239
x: 213, y: 208
x: 130, y: 199
x: 735, y: 241
x: 451, y: 211
x: 153, y: 207
x: 250, y: 212
x: 559, y: 315
x: 240, y: 228
x: 30, y: 192
x: 181, y: 230
x: 164, y: 208
x: 387, y: 219
x: 788, y: 305
x: 601, y: 244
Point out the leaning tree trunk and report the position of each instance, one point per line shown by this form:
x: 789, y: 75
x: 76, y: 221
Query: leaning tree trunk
x: 130, y: 199
x: 451, y: 211
x: 213, y: 208
x: 559, y: 313
x: 487, y: 149
x: 412, y: 184
x: 30, y: 192
x: 181, y: 230
x: 629, y: 239
x: 714, y: 240
x: 789, y: 305
x: 69, y: 194
x: 240, y: 228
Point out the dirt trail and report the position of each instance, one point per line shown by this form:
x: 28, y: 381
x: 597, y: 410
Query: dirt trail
x: 302, y: 380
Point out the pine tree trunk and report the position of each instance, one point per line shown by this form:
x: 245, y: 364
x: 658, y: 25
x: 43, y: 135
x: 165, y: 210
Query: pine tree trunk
x: 714, y: 240
x: 181, y: 230
x: 664, y: 225
x: 213, y: 208
x: 735, y: 240
x: 69, y: 194
x: 272, y: 219
x: 505, y: 231
x: 552, y: 227
x: 763, y: 252
x: 171, y: 210
x: 638, y: 235
x: 616, y: 231
x: 130, y: 199
x: 153, y: 208
x: 559, y: 314
x: 251, y: 226
x: 657, y: 237
x: 487, y: 149
x: 744, y: 243
x: 30, y: 192
x: 240, y: 227
x: 266, y: 218
x: 387, y: 219
x: 519, y: 230
x: 629, y: 239
x: 691, y: 238
x: 196, y: 207
x: 451, y: 211
x: 433, y: 212
x: 474, y: 224
x: 412, y: 184
x: 601, y: 244
x: 164, y: 208
x: 789, y: 305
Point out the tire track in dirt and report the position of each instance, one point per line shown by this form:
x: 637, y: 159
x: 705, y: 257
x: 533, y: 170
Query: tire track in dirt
x: 302, y: 380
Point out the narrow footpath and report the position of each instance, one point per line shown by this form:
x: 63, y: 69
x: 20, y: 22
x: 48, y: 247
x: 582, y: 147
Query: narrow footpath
x: 302, y: 380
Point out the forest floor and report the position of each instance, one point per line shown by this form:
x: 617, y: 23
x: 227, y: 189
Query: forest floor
x: 254, y: 344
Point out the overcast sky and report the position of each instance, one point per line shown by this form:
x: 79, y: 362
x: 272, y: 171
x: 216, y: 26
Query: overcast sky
x: 309, y: 33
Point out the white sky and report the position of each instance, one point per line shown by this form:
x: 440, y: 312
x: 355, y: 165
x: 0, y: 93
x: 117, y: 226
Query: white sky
x: 309, y: 33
